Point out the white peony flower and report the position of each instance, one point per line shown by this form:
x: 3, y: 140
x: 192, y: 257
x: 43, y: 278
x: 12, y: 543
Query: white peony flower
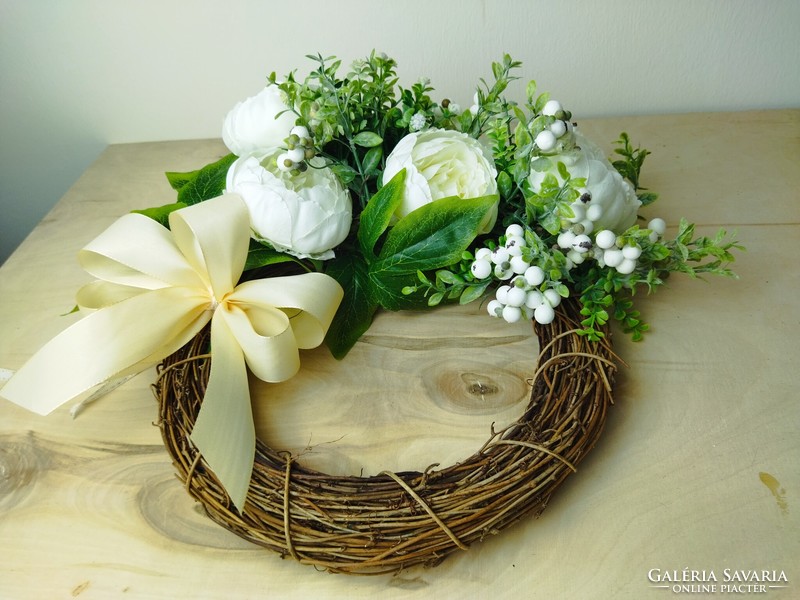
x: 253, y: 127
x: 613, y: 204
x: 440, y: 164
x: 307, y: 214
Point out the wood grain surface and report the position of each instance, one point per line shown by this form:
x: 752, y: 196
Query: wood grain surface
x: 698, y: 467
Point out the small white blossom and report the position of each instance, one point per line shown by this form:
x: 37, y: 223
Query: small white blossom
x: 417, y: 122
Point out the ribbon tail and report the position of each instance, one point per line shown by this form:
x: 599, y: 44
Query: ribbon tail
x: 114, y: 341
x: 224, y: 431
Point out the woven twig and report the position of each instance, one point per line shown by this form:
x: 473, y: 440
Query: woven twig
x: 390, y: 521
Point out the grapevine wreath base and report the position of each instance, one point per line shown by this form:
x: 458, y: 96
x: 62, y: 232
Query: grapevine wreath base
x: 390, y: 521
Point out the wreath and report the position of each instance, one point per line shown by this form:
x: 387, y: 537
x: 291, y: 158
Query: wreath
x: 343, y: 196
x: 390, y: 521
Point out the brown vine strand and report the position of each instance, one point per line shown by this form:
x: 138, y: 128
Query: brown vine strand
x: 391, y: 521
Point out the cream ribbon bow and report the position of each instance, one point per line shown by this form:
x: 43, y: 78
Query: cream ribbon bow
x: 156, y: 290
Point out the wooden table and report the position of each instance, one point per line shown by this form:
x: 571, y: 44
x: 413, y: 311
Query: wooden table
x: 698, y: 469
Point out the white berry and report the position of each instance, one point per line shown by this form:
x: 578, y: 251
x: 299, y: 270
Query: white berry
x: 632, y: 252
x: 558, y: 128
x: 515, y: 229
x: 516, y: 296
x: 565, y: 239
x: 500, y: 255
x: 627, y: 266
x: 534, y: 299
x: 544, y: 314
x: 481, y: 268
x: 534, y: 275
x: 545, y: 140
x: 483, y: 254
x: 512, y: 314
x: 503, y: 271
x: 299, y: 131
x: 605, y: 239
x: 502, y: 293
x: 551, y: 107
x: 494, y: 308
x: 519, y: 265
x: 613, y: 257
x: 582, y: 243
x: 553, y: 298
x: 658, y: 226
x: 296, y: 155
x: 285, y: 163
x: 514, y: 245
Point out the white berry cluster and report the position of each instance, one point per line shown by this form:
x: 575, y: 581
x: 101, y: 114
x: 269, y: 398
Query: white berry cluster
x: 607, y: 248
x: 300, y: 148
x: 522, y: 295
x: 547, y: 139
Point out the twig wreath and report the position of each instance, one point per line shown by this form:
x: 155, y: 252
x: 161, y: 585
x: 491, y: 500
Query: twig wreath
x: 390, y: 521
x: 373, y: 196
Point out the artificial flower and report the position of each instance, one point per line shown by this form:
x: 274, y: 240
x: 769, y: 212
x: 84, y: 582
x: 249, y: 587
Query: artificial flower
x: 258, y: 126
x: 442, y: 163
x: 304, y: 214
x: 607, y: 201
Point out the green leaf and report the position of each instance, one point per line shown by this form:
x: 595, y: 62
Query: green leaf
x: 647, y: 198
x: 433, y: 236
x: 261, y: 256
x: 345, y: 173
x: 542, y: 164
x: 178, y: 180
x: 209, y: 182
x: 473, y: 292
x: 435, y: 299
x: 367, y: 139
x: 161, y: 213
x: 354, y: 315
x: 387, y: 290
x: 371, y: 160
x: 505, y: 185
x: 377, y: 214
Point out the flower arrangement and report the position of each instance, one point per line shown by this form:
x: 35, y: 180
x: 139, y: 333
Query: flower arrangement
x: 345, y: 195
x: 412, y: 202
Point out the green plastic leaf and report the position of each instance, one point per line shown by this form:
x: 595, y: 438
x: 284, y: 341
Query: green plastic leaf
x: 345, y: 173
x: 358, y: 306
x: 542, y: 164
x: 161, y: 213
x: 505, y: 185
x: 261, y: 256
x: 435, y: 299
x: 372, y: 159
x: 473, y: 292
x: 434, y: 235
x: 178, y: 180
x: 367, y: 139
x: 377, y: 214
x: 208, y: 183
x: 387, y: 290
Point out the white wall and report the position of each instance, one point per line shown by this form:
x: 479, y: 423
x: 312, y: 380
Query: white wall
x: 76, y: 75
